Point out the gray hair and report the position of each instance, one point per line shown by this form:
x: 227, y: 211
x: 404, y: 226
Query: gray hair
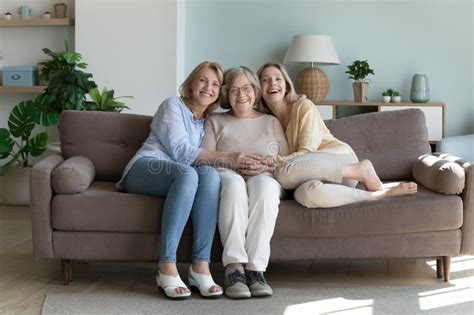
x: 231, y: 75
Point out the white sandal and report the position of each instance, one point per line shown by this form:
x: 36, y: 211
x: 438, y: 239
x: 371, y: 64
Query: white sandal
x: 203, y: 283
x: 169, y: 284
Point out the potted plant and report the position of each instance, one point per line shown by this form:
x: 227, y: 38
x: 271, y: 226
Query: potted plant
x: 67, y: 86
x: 17, y: 145
x: 387, y: 95
x: 358, y: 71
x: 105, y: 101
x: 396, y: 98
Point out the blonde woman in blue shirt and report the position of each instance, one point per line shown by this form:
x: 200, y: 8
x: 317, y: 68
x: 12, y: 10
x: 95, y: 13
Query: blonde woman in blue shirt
x: 171, y: 164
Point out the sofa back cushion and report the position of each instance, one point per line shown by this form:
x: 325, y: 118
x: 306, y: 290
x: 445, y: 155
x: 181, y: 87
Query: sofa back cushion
x: 392, y: 140
x: 108, y: 139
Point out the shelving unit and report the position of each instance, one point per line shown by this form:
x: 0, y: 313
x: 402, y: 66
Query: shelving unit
x: 31, y: 23
x: 36, y: 22
x: 23, y: 89
x: 435, y: 113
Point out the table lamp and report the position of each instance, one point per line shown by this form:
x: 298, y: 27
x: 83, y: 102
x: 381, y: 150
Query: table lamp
x: 315, y: 49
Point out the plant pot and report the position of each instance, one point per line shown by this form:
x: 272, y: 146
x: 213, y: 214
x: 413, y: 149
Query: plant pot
x: 361, y: 90
x: 60, y: 10
x: 15, y: 187
x: 386, y: 99
x: 396, y: 99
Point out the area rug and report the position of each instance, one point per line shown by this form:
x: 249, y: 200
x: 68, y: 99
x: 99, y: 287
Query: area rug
x: 440, y: 299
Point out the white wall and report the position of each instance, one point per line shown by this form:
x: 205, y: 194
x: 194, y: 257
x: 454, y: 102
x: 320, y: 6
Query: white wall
x: 132, y: 47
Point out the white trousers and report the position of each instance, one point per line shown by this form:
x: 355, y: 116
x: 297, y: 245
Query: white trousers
x: 247, y: 214
x: 318, y: 180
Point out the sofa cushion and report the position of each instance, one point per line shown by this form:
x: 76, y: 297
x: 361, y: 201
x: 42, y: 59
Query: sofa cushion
x: 423, y: 211
x: 73, y: 175
x: 123, y: 212
x: 391, y: 140
x: 108, y: 139
x: 438, y: 174
x: 102, y: 208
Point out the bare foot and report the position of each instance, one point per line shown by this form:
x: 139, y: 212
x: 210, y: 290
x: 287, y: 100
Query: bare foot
x: 394, y: 190
x: 369, y: 177
x: 402, y: 189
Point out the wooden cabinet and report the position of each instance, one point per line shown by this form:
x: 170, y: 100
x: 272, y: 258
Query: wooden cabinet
x: 435, y: 113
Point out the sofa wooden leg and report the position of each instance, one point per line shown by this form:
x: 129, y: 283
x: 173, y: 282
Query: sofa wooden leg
x: 66, y: 266
x: 439, y: 268
x: 446, y: 267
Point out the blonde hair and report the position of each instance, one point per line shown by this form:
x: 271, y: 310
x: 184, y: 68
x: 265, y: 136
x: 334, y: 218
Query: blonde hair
x: 290, y: 94
x: 229, y: 78
x: 185, y: 88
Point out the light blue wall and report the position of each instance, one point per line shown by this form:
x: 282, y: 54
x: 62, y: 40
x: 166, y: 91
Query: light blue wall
x: 398, y: 38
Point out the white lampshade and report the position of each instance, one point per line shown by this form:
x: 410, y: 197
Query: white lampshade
x: 317, y: 49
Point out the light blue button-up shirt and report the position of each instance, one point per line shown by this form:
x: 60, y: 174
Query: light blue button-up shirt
x: 174, y: 136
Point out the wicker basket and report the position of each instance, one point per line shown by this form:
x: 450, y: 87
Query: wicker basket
x: 314, y: 83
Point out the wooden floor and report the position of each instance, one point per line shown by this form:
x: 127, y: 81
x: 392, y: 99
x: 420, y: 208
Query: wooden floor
x: 25, y: 282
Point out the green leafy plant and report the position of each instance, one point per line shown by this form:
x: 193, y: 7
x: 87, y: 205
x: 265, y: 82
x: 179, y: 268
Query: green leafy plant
x: 388, y: 92
x: 67, y: 86
x: 359, y: 70
x: 385, y: 94
x: 16, y: 142
x: 395, y: 93
x: 105, y: 101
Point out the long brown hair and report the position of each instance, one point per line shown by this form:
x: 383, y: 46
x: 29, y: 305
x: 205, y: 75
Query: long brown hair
x: 185, y: 88
x: 290, y: 95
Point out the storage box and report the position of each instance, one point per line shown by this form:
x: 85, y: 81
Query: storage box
x: 20, y: 76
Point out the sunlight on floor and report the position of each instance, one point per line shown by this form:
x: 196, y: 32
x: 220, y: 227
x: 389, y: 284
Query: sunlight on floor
x: 337, y: 306
x: 460, y: 291
x: 450, y: 296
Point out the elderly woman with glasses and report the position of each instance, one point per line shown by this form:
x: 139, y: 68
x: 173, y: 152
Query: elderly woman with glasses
x: 250, y: 197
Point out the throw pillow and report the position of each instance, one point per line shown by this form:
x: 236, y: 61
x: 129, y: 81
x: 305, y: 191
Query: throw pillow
x: 73, y: 175
x: 438, y: 174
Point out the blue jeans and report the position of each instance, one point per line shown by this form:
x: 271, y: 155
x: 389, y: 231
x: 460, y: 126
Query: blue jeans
x: 189, y: 191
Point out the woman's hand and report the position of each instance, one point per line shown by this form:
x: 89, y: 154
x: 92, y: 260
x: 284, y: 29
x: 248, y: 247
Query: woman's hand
x: 269, y: 160
x: 239, y: 160
x: 255, y: 170
x: 298, y: 97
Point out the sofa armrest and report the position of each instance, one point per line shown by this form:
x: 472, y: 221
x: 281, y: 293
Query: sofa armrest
x: 467, y: 245
x: 41, y: 195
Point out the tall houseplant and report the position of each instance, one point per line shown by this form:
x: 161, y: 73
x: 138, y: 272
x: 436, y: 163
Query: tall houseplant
x: 67, y: 86
x: 17, y: 145
x: 358, y: 71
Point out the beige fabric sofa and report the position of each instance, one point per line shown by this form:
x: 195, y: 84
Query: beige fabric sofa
x: 102, y: 224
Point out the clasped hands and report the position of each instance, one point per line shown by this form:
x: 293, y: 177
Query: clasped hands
x: 249, y: 165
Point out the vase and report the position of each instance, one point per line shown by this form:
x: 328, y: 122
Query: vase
x: 60, y: 10
x: 15, y: 187
x: 360, y: 90
x: 420, y: 89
